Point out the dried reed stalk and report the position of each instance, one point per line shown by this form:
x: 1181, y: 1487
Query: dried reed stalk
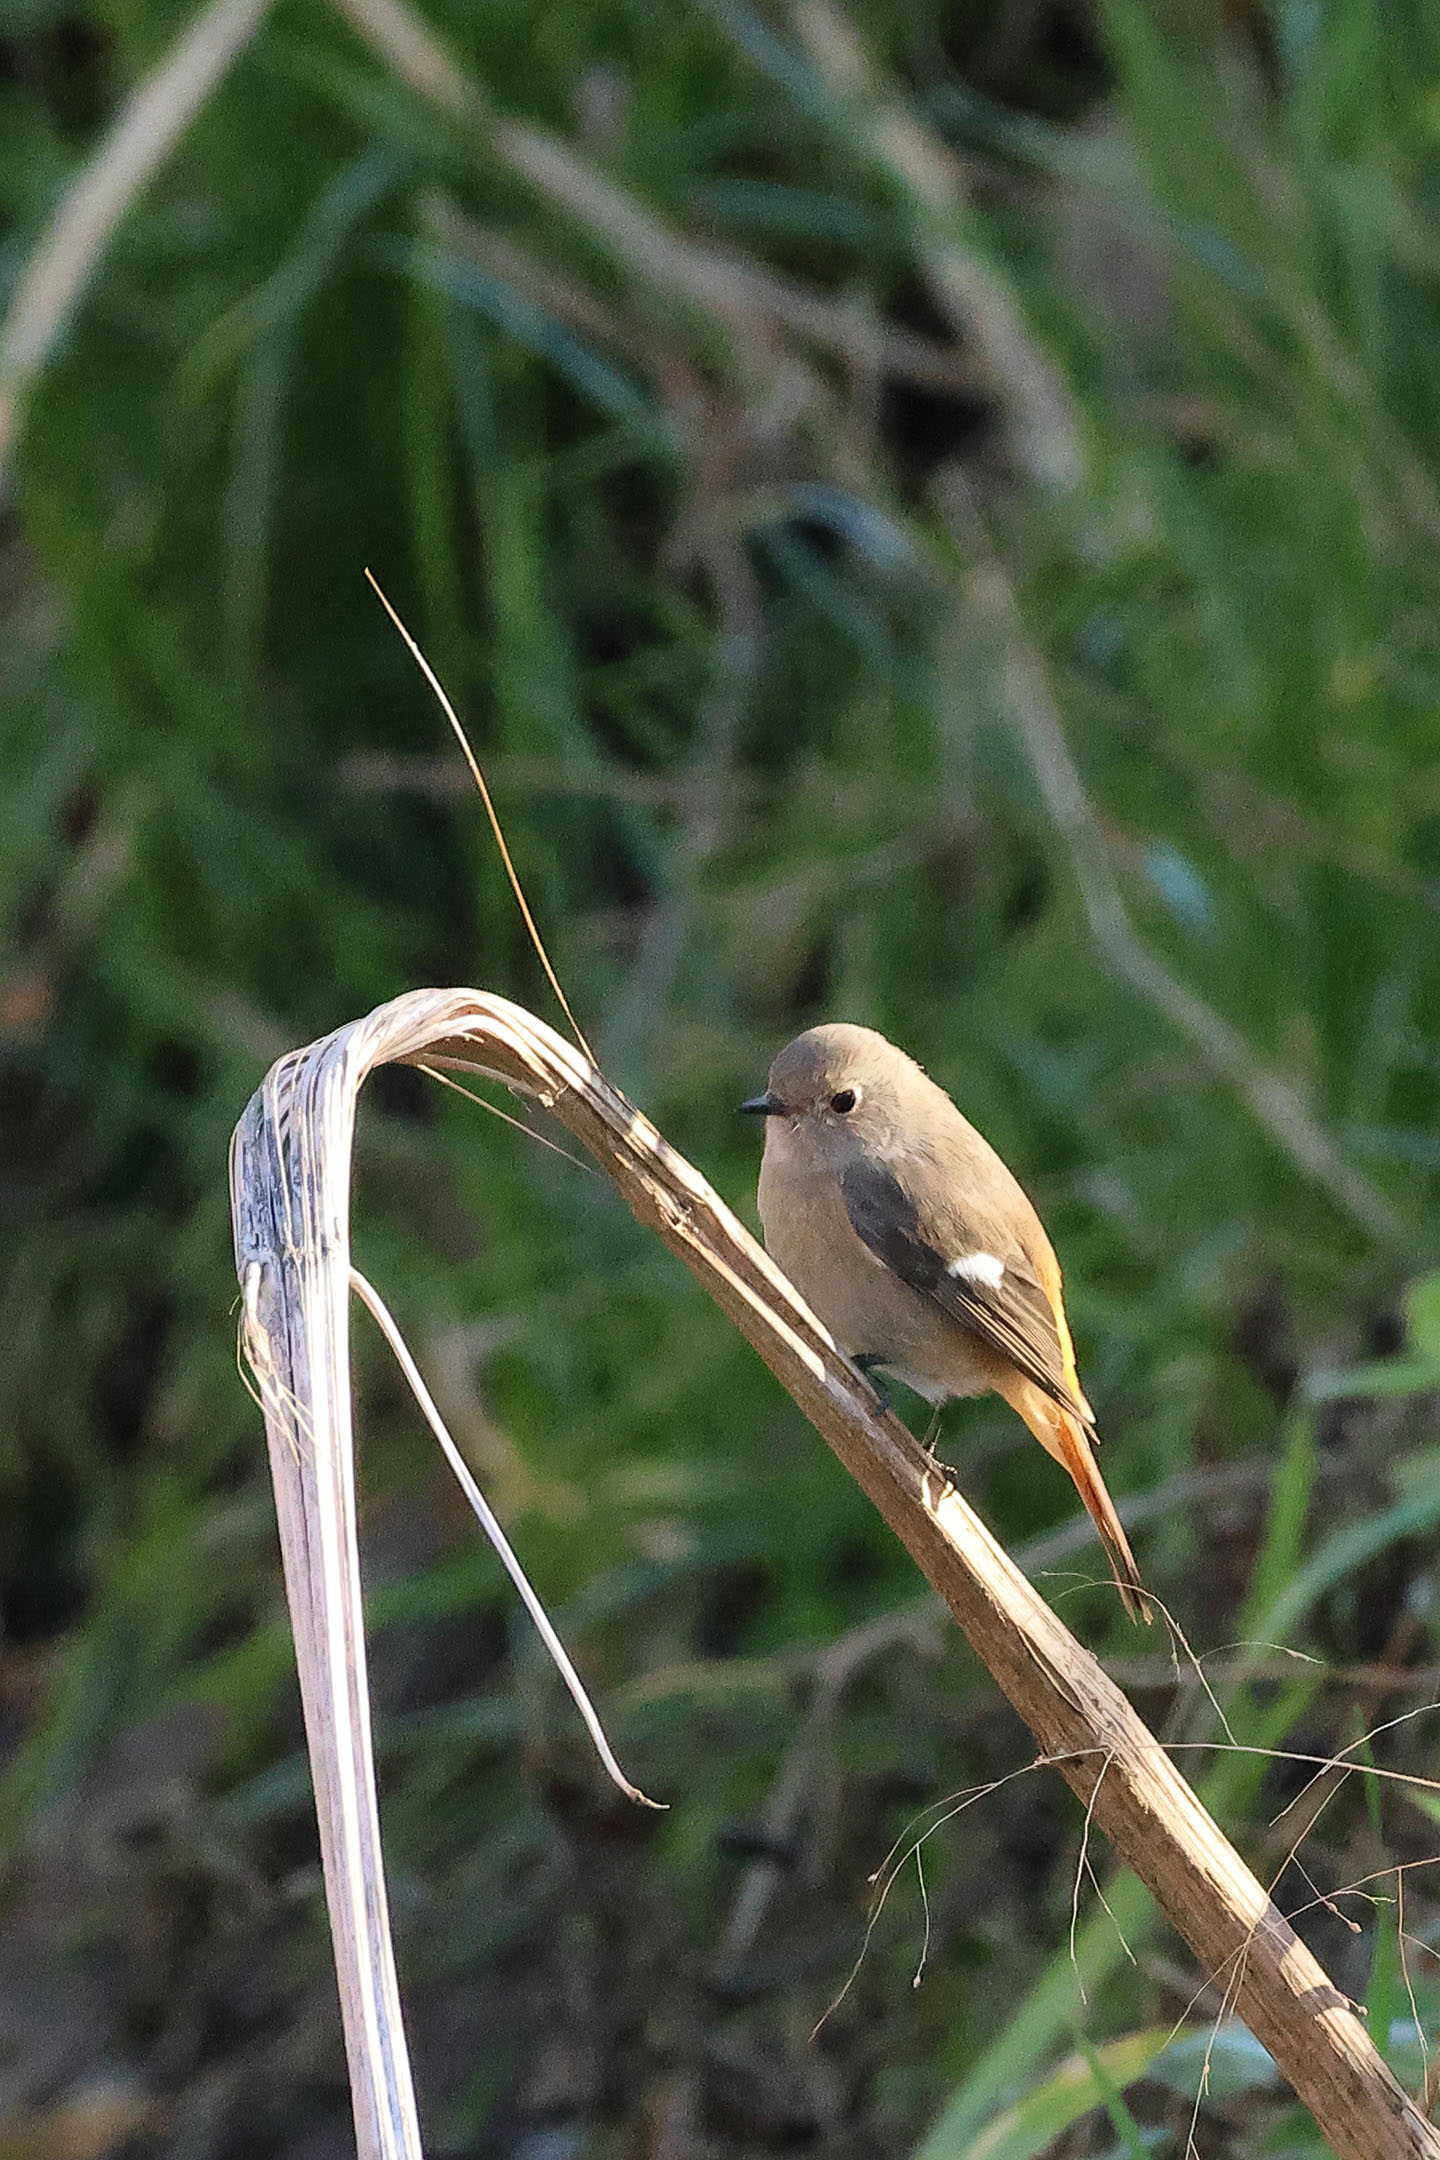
x: 290, y: 1196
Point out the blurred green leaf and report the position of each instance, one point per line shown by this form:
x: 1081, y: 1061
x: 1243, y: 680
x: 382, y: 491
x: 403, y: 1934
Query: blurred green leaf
x: 1031, y: 2124
x: 1422, y: 1316
x: 1224, y: 2059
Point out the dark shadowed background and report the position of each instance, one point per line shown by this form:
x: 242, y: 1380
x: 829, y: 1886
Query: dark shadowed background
x: 930, y: 515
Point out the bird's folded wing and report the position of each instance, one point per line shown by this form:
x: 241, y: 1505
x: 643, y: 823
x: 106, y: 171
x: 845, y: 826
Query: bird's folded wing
x: 995, y: 1294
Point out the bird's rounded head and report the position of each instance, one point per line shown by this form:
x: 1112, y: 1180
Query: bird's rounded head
x: 839, y: 1089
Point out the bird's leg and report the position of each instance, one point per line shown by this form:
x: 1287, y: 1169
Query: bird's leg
x: 869, y: 1365
x: 932, y: 1430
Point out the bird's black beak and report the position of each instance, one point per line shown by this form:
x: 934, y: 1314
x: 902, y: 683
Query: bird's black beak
x: 763, y: 1106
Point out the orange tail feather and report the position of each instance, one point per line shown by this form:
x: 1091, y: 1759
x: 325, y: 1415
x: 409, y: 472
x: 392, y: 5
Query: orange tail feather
x: 1063, y: 1437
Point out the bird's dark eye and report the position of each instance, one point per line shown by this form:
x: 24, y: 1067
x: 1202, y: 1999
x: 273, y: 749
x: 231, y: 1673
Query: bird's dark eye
x: 844, y: 1102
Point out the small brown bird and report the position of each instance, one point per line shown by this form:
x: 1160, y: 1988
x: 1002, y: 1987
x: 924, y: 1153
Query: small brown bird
x: 906, y: 1234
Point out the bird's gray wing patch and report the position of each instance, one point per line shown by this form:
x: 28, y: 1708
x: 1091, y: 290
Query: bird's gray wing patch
x: 1010, y: 1313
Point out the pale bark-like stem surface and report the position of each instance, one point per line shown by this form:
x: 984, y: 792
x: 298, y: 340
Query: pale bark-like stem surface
x: 291, y: 1184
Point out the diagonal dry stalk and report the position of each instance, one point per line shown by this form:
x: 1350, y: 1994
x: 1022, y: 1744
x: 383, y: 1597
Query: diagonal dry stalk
x: 141, y: 136
x: 290, y: 1196
x: 1030, y: 708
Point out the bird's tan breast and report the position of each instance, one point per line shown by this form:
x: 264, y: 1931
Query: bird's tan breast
x: 867, y: 1308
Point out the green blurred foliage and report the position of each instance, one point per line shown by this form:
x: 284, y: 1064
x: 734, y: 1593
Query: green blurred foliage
x: 631, y: 373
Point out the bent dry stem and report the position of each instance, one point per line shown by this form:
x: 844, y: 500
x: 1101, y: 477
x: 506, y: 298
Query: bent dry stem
x: 290, y: 1198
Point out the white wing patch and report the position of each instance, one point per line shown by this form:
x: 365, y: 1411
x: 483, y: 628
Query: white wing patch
x: 982, y: 1267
